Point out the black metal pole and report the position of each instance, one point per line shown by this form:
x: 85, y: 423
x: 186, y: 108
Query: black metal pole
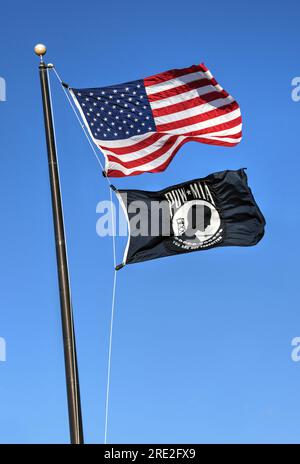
x: 72, y: 381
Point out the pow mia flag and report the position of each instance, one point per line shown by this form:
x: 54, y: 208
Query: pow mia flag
x: 218, y: 210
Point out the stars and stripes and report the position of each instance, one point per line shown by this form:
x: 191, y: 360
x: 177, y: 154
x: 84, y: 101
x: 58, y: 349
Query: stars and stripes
x: 140, y: 125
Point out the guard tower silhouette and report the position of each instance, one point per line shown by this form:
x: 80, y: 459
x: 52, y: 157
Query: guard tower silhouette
x: 198, y: 219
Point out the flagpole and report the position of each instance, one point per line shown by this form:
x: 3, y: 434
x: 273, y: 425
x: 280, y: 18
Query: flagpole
x: 71, y: 368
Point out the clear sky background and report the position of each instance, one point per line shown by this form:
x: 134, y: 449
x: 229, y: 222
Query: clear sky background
x: 202, y: 342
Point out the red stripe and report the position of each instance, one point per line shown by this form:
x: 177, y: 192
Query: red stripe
x: 172, y: 73
x: 167, y: 146
x: 213, y: 142
x: 197, y: 101
x: 136, y: 147
x: 222, y: 110
x: 181, y: 89
x: 217, y: 128
x: 148, y: 158
x: 238, y: 135
x: 162, y: 167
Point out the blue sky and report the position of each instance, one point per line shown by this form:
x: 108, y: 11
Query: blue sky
x: 202, y: 342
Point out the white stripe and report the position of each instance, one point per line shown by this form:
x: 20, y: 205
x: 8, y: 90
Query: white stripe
x: 195, y: 111
x: 123, y: 142
x: 159, y: 143
x: 141, y: 153
x: 222, y: 139
x: 232, y: 131
x: 209, y: 123
x: 148, y: 166
x: 162, y: 159
x: 181, y: 97
x: 176, y: 82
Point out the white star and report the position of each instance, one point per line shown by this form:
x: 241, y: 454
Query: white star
x: 129, y: 99
x: 132, y: 126
x: 127, y: 132
x: 108, y: 129
x: 128, y: 115
x: 104, y: 135
x: 87, y: 99
x: 92, y: 123
x: 106, y: 102
x: 112, y: 123
x: 118, y: 101
x: 116, y: 134
x: 145, y: 107
x: 138, y: 86
x: 136, y: 119
x: 91, y: 94
x: 103, y: 93
x: 117, y: 117
x: 98, y: 114
x: 125, y: 105
x: 122, y: 95
x: 141, y: 96
x: 79, y: 94
x: 98, y: 98
x: 102, y: 108
x: 120, y: 128
x: 149, y: 128
x: 147, y: 117
x: 115, y: 91
x: 127, y: 88
x: 105, y: 119
x: 139, y: 130
x: 121, y: 111
x: 133, y: 92
x: 95, y: 104
x: 143, y: 123
x: 110, y: 96
x: 109, y: 112
x: 83, y: 104
x: 133, y: 109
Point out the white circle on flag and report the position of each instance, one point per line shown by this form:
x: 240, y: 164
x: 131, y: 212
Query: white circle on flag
x: 196, y: 220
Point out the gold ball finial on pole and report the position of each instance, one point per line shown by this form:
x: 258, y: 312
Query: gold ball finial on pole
x: 40, y: 49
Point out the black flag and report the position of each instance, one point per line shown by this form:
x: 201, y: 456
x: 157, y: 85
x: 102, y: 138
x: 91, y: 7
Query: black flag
x: 218, y: 210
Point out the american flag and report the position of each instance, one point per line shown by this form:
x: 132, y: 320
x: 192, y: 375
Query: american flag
x: 140, y: 125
